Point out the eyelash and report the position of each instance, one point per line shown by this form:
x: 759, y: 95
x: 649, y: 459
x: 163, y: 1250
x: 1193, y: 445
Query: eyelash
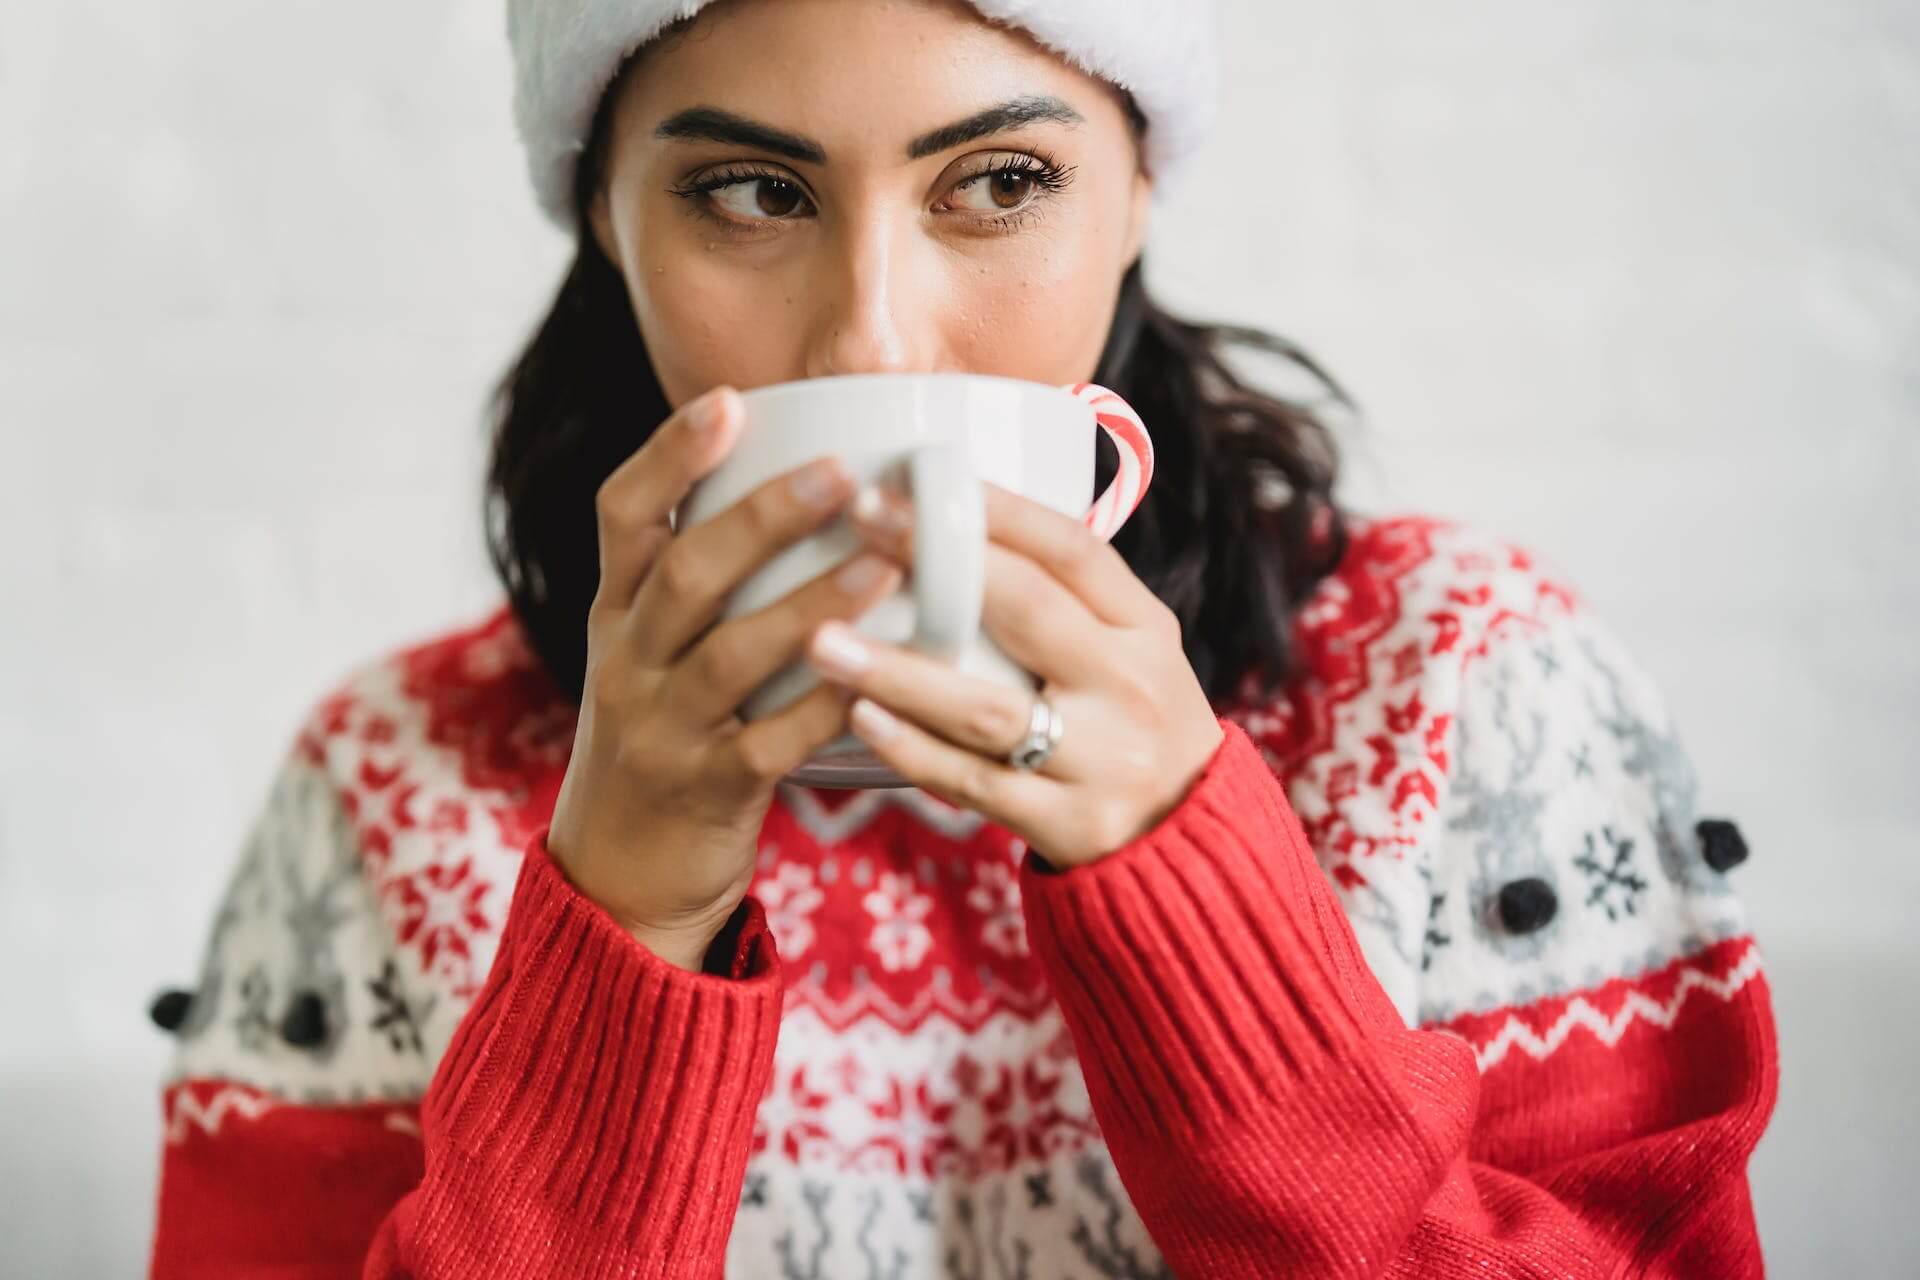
x: 1040, y: 168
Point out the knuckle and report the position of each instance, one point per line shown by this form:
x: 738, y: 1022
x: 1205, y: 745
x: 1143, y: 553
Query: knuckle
x: 1132, y: 668
x: 612, y: 506
x: 605, y: 692
x: 604, y: 602
x: 760, y: 756
x: 725, y: 651
x: 1025, y: 615
x: 652, y: 538
x: 995, y: 723
x: 631, y: 549
x: 974, y: 786
x: 763, y: 518
x: 1081, y: 546
x: 1134, y: 689
x: 679, y: 572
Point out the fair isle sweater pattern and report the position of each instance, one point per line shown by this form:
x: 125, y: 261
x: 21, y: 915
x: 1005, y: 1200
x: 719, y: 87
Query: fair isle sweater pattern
x: 1463, y: 724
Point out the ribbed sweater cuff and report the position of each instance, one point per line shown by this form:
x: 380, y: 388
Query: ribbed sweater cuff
x: 1203, y: 969
x: 596, y: 1106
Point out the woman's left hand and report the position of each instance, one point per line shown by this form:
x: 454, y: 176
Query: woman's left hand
x: 1064, y: 605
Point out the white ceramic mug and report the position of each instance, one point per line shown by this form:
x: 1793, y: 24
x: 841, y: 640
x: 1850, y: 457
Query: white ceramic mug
x: 934, y: 437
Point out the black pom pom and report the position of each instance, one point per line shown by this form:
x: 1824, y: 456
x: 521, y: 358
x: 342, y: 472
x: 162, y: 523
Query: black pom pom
x: 170, y: 1008
x: 1721, y: 843
x: 1526, y: 905
x: 306, y: 1022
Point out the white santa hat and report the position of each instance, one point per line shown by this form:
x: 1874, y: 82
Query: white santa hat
x: 566, y: 51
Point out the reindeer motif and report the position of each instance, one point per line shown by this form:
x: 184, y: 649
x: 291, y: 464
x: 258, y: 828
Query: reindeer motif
x: 313, y: 912
x: 1657, y: 757
x: 1503, y: 819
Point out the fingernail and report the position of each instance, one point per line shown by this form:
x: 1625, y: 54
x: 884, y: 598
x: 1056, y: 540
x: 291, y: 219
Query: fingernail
x: 871, y: 508
x: 872, y: 721
x: 837, y: 651
x: 705, y: 413
x: 861, y: 574
x: 820, y: 483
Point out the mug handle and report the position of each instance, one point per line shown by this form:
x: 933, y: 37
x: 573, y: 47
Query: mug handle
x: 950, y: 536
x: 949, y: 550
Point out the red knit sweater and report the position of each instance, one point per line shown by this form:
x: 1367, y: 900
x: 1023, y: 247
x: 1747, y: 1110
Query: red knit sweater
x: 1435, y: 971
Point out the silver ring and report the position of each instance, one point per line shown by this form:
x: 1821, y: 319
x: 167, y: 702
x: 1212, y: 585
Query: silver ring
x: 1044, y: 728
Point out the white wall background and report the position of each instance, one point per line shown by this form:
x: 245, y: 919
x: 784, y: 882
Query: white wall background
x: 1635, y: 283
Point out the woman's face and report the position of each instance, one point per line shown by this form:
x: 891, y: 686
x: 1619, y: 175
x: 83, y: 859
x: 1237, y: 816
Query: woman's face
x: 796, y: 188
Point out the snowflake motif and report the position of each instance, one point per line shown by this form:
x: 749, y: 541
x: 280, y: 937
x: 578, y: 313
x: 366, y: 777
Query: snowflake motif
x: 396, y: 1015
x: 1023, y: 1118
x: 899, y: 937
x: 996, y: 896
x: 914, y: 1129
x: 439, y: 912
x: 789, y: 896
x: 1614, y: 886
x: 788, y: 1116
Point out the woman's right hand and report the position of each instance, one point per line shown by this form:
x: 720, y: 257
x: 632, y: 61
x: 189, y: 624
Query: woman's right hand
x: 659, y: 814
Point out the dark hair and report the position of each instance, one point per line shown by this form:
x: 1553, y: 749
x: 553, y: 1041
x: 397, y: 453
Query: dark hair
x: 1237, y: 527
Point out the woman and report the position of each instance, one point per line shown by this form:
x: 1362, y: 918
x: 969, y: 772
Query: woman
x: 1360, y: 922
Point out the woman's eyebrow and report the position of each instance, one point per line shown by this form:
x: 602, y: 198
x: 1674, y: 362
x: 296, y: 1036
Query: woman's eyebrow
x: 714, y: 125
x: 1010, y: 114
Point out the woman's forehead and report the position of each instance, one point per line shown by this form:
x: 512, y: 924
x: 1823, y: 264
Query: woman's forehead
x: 870, y: 73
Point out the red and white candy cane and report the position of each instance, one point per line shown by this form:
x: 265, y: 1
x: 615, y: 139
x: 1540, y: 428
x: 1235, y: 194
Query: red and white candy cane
x: 1117, y: 418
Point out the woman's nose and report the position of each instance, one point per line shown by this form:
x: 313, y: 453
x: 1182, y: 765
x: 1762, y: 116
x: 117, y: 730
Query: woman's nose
x: 876, y: 313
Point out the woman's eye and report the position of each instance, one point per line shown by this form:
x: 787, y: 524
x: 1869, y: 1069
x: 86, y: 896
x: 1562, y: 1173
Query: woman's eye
x: 1001, y: 191
x: 742, y: 200
x: 758, y: 199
